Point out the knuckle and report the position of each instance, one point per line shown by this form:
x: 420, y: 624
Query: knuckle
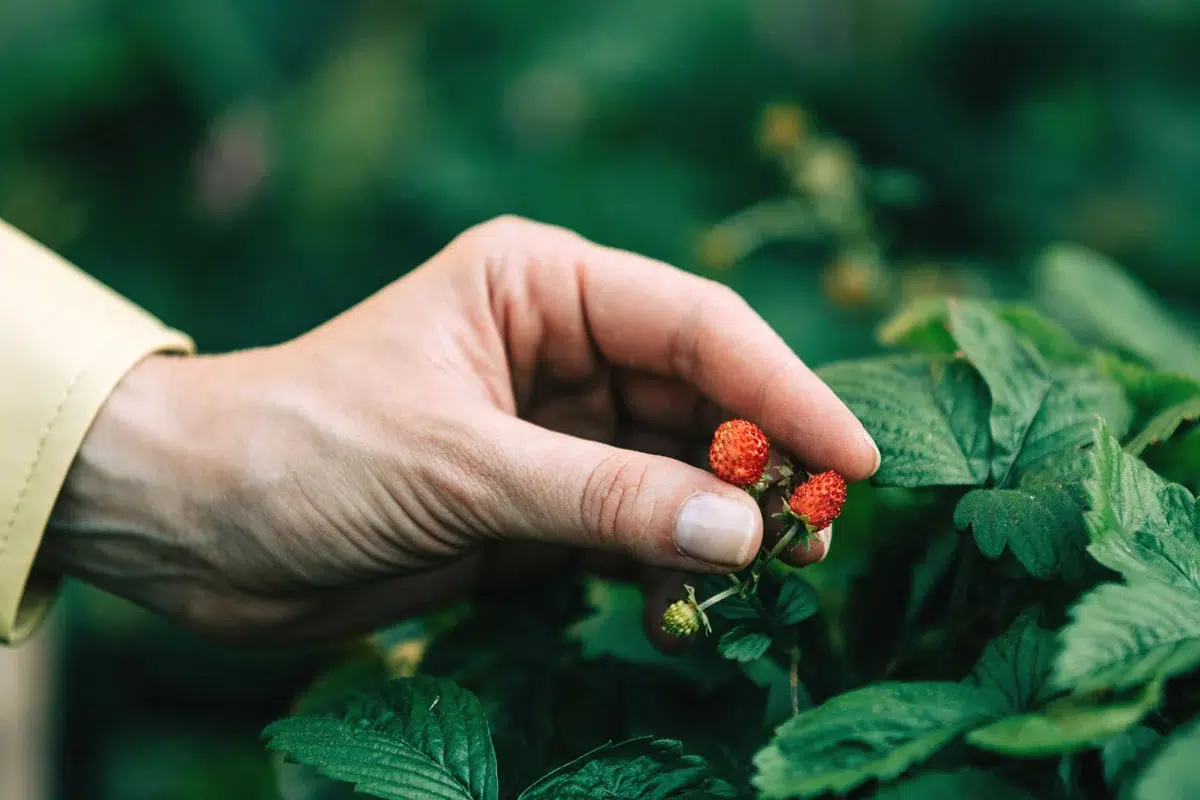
x: 510, y: 240
x: 617, y: 503
x: 496, y: 235
x: 725, y: 297
x: 504, y: 226
x: 714, y: 301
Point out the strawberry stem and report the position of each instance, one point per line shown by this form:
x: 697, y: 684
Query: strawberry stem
x: 794, y: 677
x: 784, y: 542
x: 691, y: 597
x: 719, y: 596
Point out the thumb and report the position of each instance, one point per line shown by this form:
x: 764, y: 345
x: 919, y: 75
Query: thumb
x: 655, y: 509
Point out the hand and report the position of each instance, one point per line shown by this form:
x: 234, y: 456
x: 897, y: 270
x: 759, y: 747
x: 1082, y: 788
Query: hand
x: 459, y: 427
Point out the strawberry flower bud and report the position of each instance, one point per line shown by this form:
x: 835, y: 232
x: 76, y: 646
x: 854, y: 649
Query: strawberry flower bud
x: 681, y: 619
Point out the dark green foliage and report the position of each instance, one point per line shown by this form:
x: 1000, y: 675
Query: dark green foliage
x: 126, y: 130
x: 983, y: 636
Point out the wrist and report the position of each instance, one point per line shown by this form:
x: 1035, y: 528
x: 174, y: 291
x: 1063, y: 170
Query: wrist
x: 124, y: 487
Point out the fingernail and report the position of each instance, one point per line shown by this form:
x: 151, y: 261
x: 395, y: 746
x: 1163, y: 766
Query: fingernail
x: 715, y: 530
x: 826, y: 536
x: 875, y: 447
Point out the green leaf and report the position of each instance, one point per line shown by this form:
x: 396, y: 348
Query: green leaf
x: 507, y: 653
x: 407, y: 740
x: 638, y: 769
x: 976, y: 784
x: 923, y: 325
x: 1016, y: 376
x: 920, y: 326
x: 330, y: 690
x: 1174, y: 774
x: 1017, y: 664
x: 1139, y: 524
x: 797, y: 601
x: 1122, y: 635
x: 875, y: 732
x: 1052, y: 340
x: 1125, y: 753
x: 1164, y: 424
x: 929, y: 570
x: 616, y: 628
x: 928, y: 416
x: 1151, y: 391
x: 743, y: 643
x: 1096, y: 296
x: 1067, y: 418
x: 1067, y: 725
x: 1043, y: 528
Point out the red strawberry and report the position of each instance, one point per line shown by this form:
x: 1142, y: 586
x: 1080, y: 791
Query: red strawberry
x: 738, y: 454
x: 819, y: 499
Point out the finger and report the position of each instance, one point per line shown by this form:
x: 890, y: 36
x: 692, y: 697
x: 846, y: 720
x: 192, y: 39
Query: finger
x: 705, y: 334
x: 813, y: 550
x: 658, y: 510
x: 645, y: 315
x: 667, y: 404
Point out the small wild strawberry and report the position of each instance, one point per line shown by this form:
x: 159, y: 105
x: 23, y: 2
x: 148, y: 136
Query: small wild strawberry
x: 738, y: 454
x: 681, y: 619
x: 819, y: 500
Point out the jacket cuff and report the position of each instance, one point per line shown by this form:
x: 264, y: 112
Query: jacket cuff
x: 65, y: 342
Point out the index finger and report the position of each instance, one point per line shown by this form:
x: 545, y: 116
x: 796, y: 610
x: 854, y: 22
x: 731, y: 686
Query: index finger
x: 647, y: 315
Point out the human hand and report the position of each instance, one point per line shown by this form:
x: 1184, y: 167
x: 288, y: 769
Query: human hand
x: 523, y: 397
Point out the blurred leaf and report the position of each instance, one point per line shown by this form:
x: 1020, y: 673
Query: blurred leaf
x: 1164, y: 425
x: 743, y: 643
x: 329, y: 690
x: 616, y: 627
x: 1126, y: 753
x: 1067, y: 725
x: 1052, y: 340
x: 1174, y: 772
x: 977, y: 784
x: 1097, y: 296
x: 797, y: 601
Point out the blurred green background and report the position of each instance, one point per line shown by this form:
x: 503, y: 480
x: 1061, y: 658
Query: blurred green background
x: 246, y: 169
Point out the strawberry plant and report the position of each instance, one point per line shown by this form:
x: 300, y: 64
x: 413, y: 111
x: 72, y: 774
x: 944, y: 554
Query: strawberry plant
x: 1012, y: 609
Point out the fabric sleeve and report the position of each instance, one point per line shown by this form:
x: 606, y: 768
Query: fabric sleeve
x: 66, y: 340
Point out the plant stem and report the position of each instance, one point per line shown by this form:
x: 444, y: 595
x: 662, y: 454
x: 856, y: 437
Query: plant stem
x: 794, y: 678
x: 719, y: 596
x: 784, y: 542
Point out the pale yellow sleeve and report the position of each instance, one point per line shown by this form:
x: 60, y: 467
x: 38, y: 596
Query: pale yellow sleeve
x: 65, y: 342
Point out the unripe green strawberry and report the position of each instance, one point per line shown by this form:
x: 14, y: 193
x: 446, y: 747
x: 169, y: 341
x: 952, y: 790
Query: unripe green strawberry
x: 739, y: 452
x: 681, y: 619
x: 819, y: 500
